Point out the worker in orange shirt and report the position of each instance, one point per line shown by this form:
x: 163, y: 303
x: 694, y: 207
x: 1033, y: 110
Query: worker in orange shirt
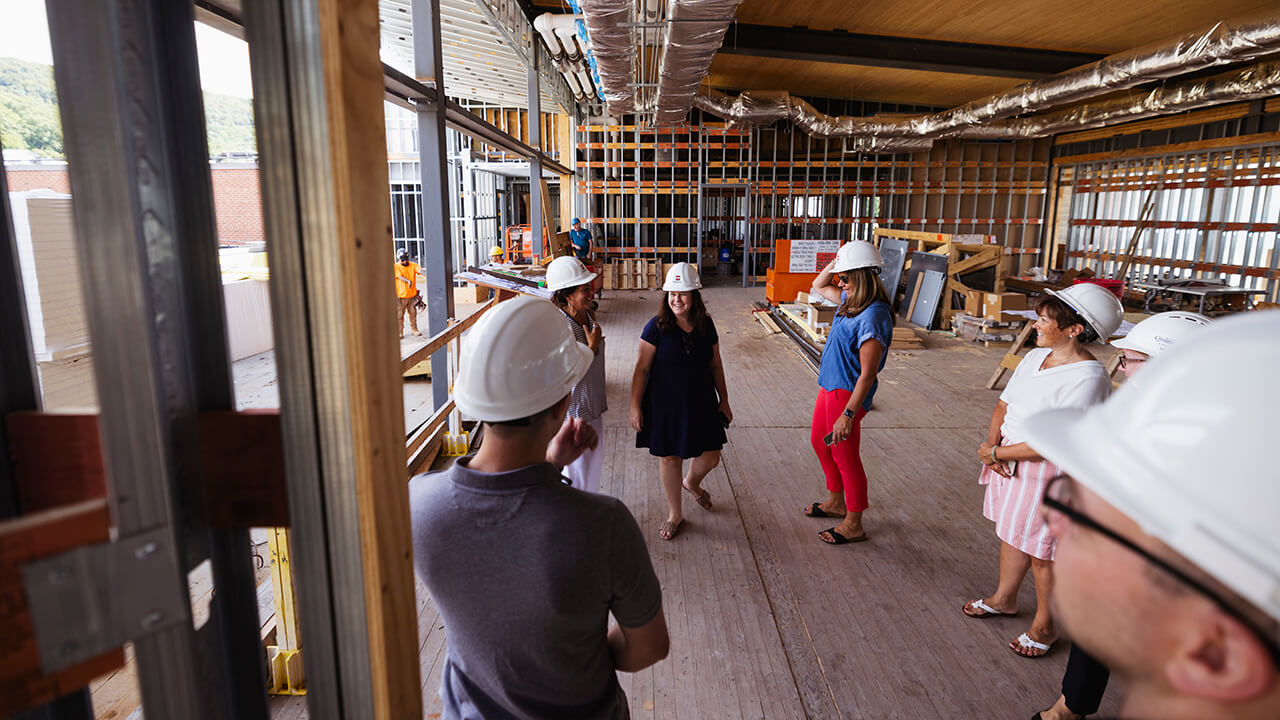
x: 407, y: 274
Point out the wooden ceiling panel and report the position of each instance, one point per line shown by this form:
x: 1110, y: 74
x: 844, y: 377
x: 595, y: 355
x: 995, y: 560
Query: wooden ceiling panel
x: 811, y: 79
x: 1096, y: 26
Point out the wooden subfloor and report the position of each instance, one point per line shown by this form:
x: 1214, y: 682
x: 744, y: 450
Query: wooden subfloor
x: 766, y: 622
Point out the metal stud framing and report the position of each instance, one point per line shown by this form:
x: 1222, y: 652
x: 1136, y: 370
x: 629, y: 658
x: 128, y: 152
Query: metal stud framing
x: 433, y: 168
x: 144, y: 221
x: 1214, y: 215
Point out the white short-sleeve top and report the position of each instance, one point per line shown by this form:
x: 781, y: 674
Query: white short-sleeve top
x: 1034, y: 389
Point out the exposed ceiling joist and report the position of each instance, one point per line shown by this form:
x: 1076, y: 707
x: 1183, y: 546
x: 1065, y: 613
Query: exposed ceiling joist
x: 835, y: 46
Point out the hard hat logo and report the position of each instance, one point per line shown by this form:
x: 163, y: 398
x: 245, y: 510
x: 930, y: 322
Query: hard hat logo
x: 682, y: 277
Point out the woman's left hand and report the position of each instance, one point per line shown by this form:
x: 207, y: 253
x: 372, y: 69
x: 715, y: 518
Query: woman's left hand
x: 984, y: 453
x: 726, y: 410
x: 841, y: 429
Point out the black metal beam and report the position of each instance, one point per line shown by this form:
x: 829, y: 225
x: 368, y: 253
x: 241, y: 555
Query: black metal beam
x: 837, y: 46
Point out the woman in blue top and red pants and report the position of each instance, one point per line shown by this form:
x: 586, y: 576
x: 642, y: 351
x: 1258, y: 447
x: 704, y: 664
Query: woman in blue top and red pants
x: 856, y: 348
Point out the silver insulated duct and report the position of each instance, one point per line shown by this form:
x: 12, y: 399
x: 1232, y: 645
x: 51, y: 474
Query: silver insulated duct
x: 607, y: 22
x: 1251, y: 83
x: 1222, y: 43
x: 694, y: 34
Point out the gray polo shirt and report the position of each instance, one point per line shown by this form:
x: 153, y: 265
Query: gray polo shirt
x: 525, y: 572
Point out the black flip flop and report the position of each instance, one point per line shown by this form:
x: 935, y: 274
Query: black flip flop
x: 815, y: 511
x: 839, y: 539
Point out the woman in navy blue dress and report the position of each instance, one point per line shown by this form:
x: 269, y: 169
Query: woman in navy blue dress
x: 679, y: 403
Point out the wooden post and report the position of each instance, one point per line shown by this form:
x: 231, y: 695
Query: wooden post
x: 354, y: 86
x: 568, y: 158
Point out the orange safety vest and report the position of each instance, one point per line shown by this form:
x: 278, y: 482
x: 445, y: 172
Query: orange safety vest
x: 407, y: 279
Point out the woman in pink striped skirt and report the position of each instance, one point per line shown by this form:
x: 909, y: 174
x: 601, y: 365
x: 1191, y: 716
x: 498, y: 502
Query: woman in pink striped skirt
x: 1059, y: 373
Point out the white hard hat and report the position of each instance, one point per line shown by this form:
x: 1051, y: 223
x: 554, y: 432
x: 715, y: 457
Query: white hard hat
x: 1099, y: 307
x: 682, y: 277
x: 1159, y: 332
x: 567, y: 272
x: 519, y: 359
x: 857, y: 254
x: 1185, y: 449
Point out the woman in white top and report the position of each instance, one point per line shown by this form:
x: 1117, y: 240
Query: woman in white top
x: 1059, y: 373
x: 572, y: 290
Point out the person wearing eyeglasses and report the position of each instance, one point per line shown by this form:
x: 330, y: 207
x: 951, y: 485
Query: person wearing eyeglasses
x: 1168, y: 556
x: 852, y: 358
x: 1059, y: 373
x: 1085, y: 679
x: 679, y: 401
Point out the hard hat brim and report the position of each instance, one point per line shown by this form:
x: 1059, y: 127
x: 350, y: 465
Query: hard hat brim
x: 574, y: 282
x: 535, y: 402
x: 1076, y: 443
x: 1125, y: 343
x: 1088, y: 317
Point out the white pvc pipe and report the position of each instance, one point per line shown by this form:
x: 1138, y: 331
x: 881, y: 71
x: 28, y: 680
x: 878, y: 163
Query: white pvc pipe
x: 584, y: 80
x: 544, y: 24
x: 566, y: 29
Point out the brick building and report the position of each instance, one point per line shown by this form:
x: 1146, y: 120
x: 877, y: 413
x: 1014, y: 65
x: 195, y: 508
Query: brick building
x: 236, y: 198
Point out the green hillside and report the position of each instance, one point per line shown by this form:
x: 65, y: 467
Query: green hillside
x: 29, y: 114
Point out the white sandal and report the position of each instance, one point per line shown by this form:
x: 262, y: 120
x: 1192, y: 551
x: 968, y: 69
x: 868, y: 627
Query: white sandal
x: 987, y: 610
x: 1025, y: 642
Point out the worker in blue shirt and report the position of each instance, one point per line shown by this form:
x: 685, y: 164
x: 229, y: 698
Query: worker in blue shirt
x: 581, y: 240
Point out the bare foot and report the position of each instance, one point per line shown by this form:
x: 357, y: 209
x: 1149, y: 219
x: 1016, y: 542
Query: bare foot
x: 1059, y: 711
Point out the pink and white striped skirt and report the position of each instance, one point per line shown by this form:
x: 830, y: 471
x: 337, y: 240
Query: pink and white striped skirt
x: 1013, y: 504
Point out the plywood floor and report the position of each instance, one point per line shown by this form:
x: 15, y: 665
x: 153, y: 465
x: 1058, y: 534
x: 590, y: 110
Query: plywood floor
x: 766, y: 622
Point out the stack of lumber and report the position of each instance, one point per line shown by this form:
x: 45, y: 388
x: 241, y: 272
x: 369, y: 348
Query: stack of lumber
x: 633, y: 274
x: 905, y: 338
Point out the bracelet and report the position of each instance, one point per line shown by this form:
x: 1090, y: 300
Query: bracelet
x: 994, y: 459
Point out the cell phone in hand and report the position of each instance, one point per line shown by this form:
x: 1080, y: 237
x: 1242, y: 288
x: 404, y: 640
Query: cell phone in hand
x: 829, y: 438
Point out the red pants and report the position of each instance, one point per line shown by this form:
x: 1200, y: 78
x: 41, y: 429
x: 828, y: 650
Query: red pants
x: 841, y: 462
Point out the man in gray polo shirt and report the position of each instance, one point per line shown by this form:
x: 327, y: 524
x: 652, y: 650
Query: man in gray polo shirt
x: 524, y: 569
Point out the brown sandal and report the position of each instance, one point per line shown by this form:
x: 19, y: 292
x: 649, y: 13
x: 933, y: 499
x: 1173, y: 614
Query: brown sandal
x: 703, y: 498
x: 668, y: 530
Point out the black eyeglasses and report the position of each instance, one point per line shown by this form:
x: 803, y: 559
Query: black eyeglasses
x: 1057, y: 494
x: 1127, y: 361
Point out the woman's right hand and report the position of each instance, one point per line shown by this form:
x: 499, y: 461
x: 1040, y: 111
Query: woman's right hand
x: 637, y: 418
x: 594, y: 337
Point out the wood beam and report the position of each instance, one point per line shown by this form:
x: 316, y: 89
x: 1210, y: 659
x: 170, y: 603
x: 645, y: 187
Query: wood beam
x: 353, y: 78
x: 1239, y: 141
x: 837, y: 46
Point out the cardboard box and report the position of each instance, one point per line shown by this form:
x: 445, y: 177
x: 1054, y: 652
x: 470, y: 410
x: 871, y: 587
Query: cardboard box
x: 994, y: 304
x: 471, y: 294
x: 562, y: 246
x: 973, y: 303
x: 820, y: 315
